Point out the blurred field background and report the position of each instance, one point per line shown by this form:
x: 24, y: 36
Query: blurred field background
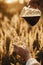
x: 17, y: 29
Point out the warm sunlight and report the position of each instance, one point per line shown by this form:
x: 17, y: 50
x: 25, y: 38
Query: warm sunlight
x: 10, y: 1
x: 21, y: 1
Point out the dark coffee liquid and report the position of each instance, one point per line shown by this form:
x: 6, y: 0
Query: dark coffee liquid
x: 32, y: 20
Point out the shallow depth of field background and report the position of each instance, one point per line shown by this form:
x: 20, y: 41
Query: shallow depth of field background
x: 18, y: 30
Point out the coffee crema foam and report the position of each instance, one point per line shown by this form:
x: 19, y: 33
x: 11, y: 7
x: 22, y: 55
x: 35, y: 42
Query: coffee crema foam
x: 30, y: 12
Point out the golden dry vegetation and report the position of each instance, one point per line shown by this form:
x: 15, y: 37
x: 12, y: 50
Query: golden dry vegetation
x: 19, y: 32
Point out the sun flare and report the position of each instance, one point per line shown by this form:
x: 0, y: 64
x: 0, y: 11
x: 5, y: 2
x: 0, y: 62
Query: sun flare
x: 10, y: 1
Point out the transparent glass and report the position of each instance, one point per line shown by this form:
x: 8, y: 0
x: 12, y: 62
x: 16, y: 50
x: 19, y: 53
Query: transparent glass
x: 31, y: 15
